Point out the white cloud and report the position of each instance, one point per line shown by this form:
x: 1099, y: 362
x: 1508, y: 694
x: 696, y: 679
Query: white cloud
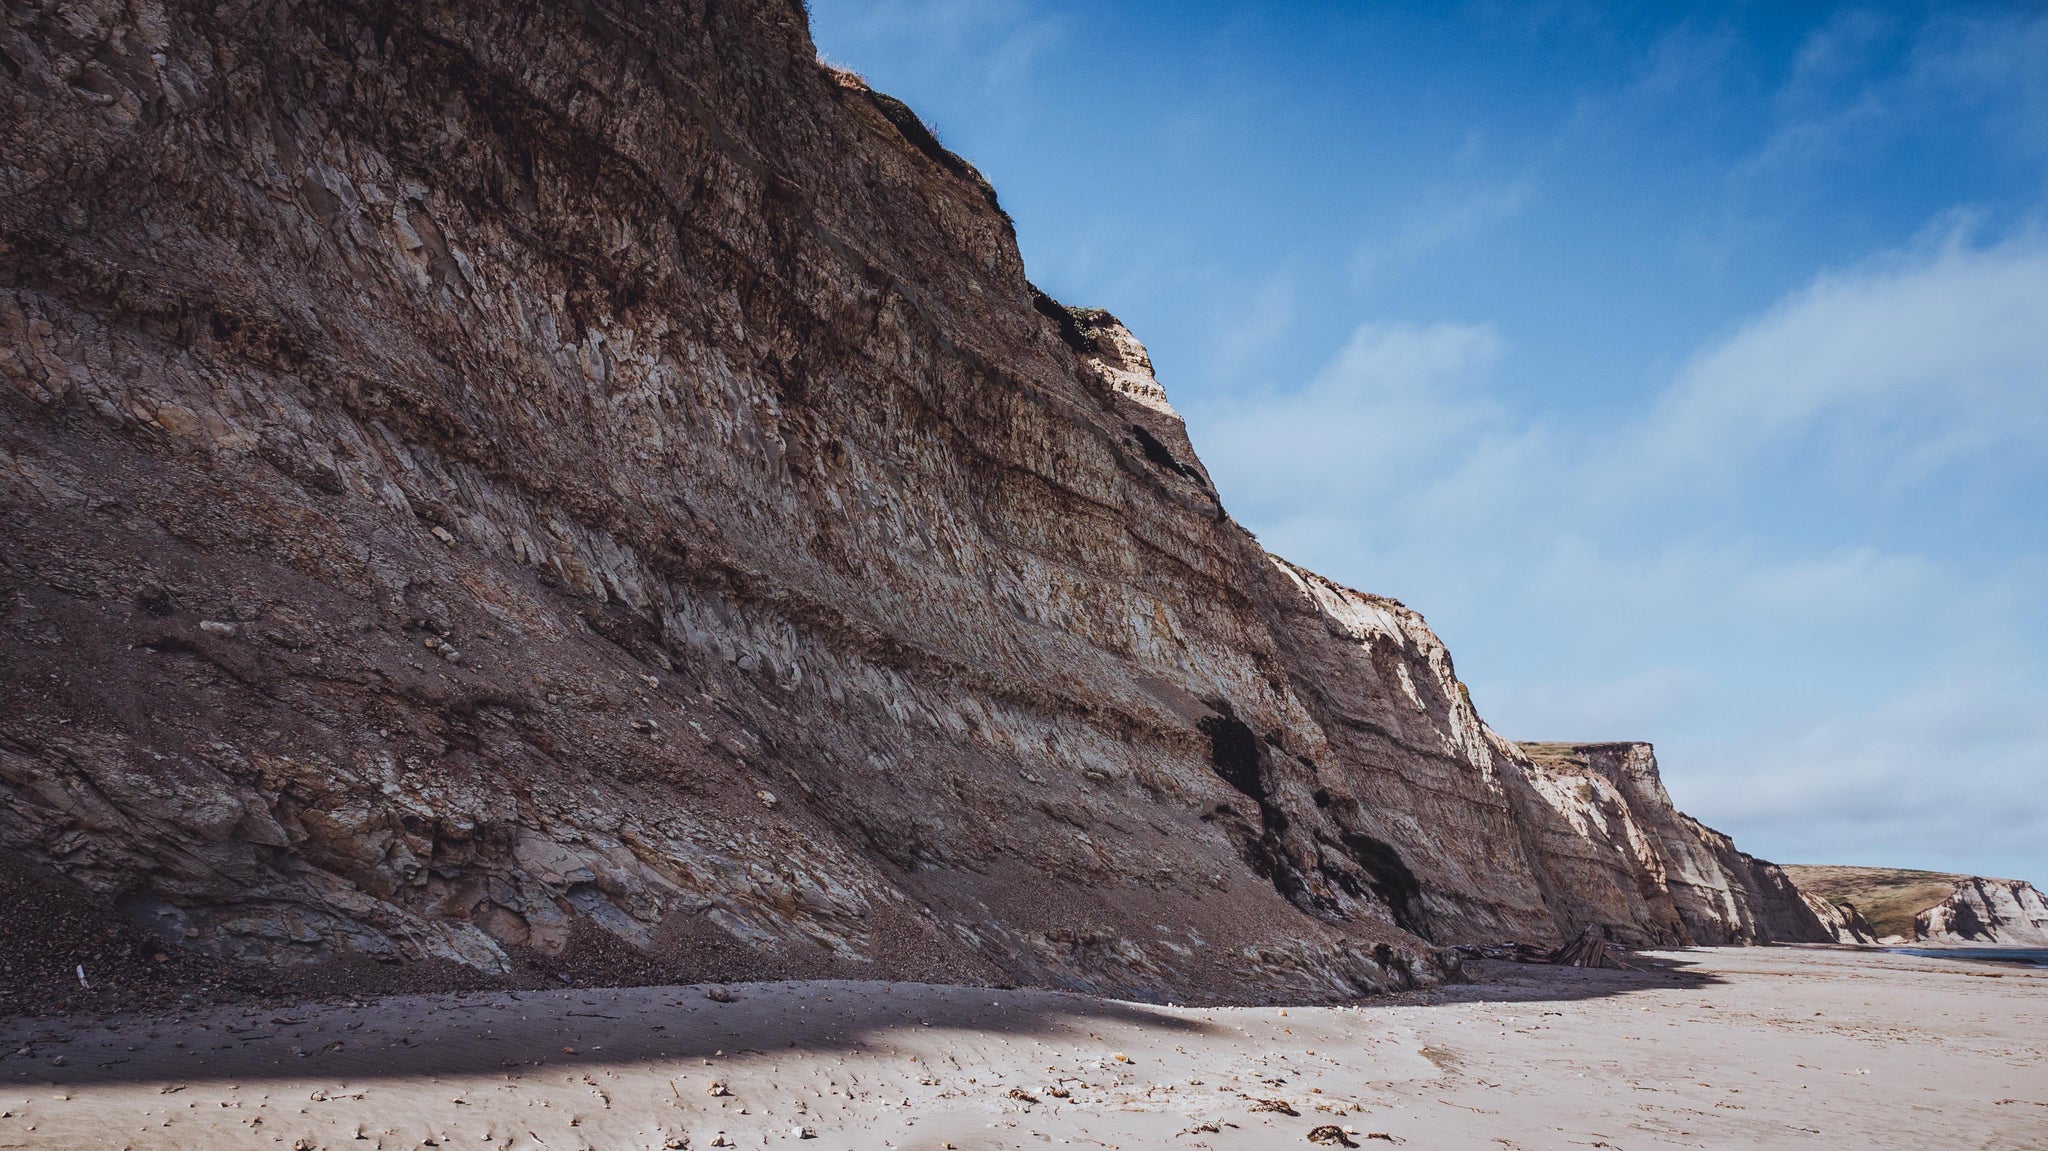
x: 1395, y: 400
x: 1253, y: 324
x: 1944, y: 775
x: 1888, y: 375
x: 1894, y: 371
x: 1821, y: 693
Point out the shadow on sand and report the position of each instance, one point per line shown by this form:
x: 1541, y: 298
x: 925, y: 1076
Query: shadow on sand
x: 1498, y: 981
x: 490, y: 1032
x: 499, y: 1031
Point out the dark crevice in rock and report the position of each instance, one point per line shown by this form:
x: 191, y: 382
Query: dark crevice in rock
x: 1062, y: 318
x: 1965, y: 922
x: 1234, y: 752
x: 1390, y: 879
x: 1158, y: 454
x: 1235, y: 755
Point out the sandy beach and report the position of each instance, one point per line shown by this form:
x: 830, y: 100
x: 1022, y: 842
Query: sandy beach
x: 1757, y: 1047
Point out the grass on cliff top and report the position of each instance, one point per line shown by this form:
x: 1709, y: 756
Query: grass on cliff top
x: 1552, y: 754
x: 1888, y: 897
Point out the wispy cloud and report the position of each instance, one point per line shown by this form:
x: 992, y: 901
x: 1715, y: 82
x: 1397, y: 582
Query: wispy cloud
x: 1438, y: 222
x: 1252, y: 321
x: 1004, y: 37
x: 1994, y: 60
x: 1644, y: 565
x: 1599, y: 707
x: 1892, y: 373
x: 1864, y: 80
x: 1944, y: 775
x: 1396, y: 401
x: 1896, y: 370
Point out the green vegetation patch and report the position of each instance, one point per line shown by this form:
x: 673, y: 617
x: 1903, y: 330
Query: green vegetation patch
x: 1888, y: 897
x: 1555, y: 755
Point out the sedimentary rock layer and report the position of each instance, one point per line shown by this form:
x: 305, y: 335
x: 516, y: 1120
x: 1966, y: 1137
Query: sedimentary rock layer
x: 1979, y: 910
x: 1611, y: 851
x: 495, y: 481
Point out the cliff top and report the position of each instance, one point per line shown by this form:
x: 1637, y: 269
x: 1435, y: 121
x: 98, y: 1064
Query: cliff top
x: 1551, y: 749
x: 1888, y: 897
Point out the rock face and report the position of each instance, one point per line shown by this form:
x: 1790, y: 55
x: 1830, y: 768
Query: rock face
x: 501, y: 483
x: 2008, y: 912
x: 1611, y: 851
x: 1841, y: 920
x: 1931, y: 906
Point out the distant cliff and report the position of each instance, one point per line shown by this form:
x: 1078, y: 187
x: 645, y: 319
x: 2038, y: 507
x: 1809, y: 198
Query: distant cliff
x: 1612, y: 851
x: 588, y: 492
x: 1932, y: 906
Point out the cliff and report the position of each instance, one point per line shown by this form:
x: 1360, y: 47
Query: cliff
x: 586, y: 490
x: 1932, y: 906
x: 2008, y: 912
x: 1612, y: 851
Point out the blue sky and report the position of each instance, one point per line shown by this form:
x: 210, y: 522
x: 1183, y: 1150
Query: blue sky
x: 1687, y: 369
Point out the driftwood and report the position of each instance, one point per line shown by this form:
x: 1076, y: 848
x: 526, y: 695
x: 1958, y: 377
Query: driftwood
x: 1588, y: 950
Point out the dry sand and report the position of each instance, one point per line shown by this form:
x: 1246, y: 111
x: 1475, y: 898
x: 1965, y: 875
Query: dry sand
x: 1759, y: 1047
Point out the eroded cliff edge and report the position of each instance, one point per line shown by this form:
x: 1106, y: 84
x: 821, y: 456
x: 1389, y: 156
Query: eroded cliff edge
x: 1901, y: 906
x: 494, y: 482
x: 1611, y: 851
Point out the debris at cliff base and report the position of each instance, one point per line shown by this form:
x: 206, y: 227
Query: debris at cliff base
x: 1592, y: 948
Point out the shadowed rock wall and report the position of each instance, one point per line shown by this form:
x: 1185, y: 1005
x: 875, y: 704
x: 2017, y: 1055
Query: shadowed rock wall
x: 493, y: 482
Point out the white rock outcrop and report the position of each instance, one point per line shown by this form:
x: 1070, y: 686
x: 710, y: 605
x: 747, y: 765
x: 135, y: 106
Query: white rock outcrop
x: 2006, y: 912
